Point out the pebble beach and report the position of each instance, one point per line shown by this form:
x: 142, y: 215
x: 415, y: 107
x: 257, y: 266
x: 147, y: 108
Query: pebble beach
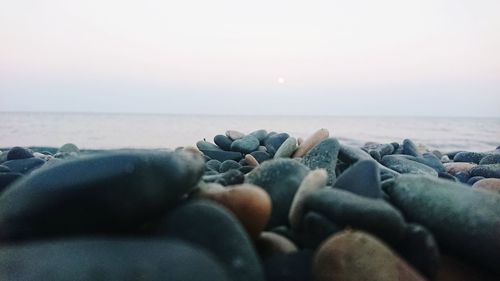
x: 257, y: 205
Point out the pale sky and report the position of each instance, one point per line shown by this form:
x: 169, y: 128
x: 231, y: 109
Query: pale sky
x: 426, y: 57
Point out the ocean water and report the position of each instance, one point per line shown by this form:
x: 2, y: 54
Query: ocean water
x: 103, y: 131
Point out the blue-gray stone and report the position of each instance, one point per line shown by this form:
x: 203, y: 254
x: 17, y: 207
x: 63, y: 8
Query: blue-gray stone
x: 101, y: 193
x: 323, y: 156
x: 215, y: 229
x: 273, y: 142
x: 315, y: 228
x: 490, y: 159
x: 229, y: 165
x: 462, y: 176
x: 4, y: 169
x: 378, y: 150
x: 260, y: 135
x: 205, y: 145
x: 427, y: 159
x: 24, y: 166
x: 19, y: 153
x: 409, y: 148
x: 280, y: 178
x: 246, y: 169
x: 473, y: 180
x: 223, y: 141
x: 245, y: 145
x: 351, y: 154
x: 110, y: 260
x: 401, y: 164
x: 471, y: 157
x: 487, y: 171
x: 222, y: 155
x: 69, y: 148
x: 8, y: 178
x: 362, y: 178
x: 213, y: 165
x: 260, y: 156
x: 230, y: 177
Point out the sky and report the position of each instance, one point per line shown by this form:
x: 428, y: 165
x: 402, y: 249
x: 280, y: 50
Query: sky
x: 361, y: 57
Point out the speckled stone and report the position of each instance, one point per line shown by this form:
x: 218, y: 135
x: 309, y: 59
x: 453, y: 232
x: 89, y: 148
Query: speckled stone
x: 310, y: 142
x: 323, y: 156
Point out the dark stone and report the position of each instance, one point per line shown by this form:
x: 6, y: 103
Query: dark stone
x: 490, y: 159
x: 462, y: 176
x: 431, y: 160
x: 350, y: 155
x: 223, y: 142
x: 409, y: 148
x: 205, y: 145
x: 24, y: 166
x: 463, y: 220
x: 260, y: 156
x: 295, y: 266
x: 230, y: 177
x: 323, y: 156
x: 4, y: 169
x: 362, y: 178
x: 8, y: 178
x: 447, y: 176
x: 229, y: 165
x: 473, y: 180
x: 378, y: 150
x: 315, y: 229
x: 102, y: 193
x: 452, y: 154
x: 19, y: 153
x: 437, y: 153
x: 346, y: 209
x: 403, y: 165
x: 260, y: 135
x: 213, y: 165
x: 110, y: 260
x: 419, y: 248
x: 222, y: 155
x: 487, y: 171
x: 243, y: 162
x: 245, y: 145
x: 214, y: 228
x: 471, y: 157
x: 246, y: 169
x: 44, y: 149
x: 280, y: 178
x: 395, y: 145
x: 273, y: 142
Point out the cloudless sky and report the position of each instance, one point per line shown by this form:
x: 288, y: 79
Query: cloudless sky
x: 386, y: 57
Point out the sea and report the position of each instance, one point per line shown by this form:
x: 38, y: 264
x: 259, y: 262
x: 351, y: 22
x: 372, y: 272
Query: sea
x: 109, y: 131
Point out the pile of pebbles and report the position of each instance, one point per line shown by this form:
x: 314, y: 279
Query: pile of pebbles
x: 257, y: 206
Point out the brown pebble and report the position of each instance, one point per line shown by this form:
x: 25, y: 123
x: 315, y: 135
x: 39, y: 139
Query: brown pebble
x: 491, y: 184
x: 270, y: 243
x: 251, y: 161
x: 310, y: 142
x: 355, y: 255
x: 249, y: 203
x: 456, y: 167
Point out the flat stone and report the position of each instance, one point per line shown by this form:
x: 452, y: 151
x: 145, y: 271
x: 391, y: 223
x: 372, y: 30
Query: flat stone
x: 222, y: 155
x: 101, y: 193
x: 401, y: 164
x: 260, y: 135
x: 323, y: 156
x: 274, y: 142
x: 487, y: 171
x: 24, y: 166
x: 213, y: 165
x: 234, y: 135
x: 464, y: 220
x: 205, y: 145
x: 223, y: 142
x: 281, y: 179
x: 310, y: 142
x: 286, y: 149
x: 19, y: 153
x: 491, y: 184
x: 111, y: 260
x: 229, y: 165
x: 261, y: 156
x: 212, y: 227
x: 362, y: 178
x: 245, y: 145
x: 409, y: 148
x: 470, y: 157
x: 490, y: 159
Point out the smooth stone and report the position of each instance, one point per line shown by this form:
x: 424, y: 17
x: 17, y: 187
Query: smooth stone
x: 355, y: 255
x: 346, y: 209
x: 230, y: 177
x: 3, y: 156
x: 378, y: 150
x: 286, y: 149
x: 245, y: 145
x: 453, y: 269
x: 69, y: 148
x: 454, y: 168
x: 401, y: 164
x: 213, y: 165
x: 409, y: 148
x: 251, y: 161
x: 311, y: 142
x: 17, y: 152
x: 314, y: 181
x: 432, y: 161
x: 249, y: 203
x: 490, y: 184
x: 205, y: 145
x: 470, y: 157
x: 461, y: 176
x: 262, y: 148
x: 209, y: 172
x: 222, y: 155
x: 274, y: 142
x: 8, y: 178
x: 260, y: 156
x: 246, y: 169
x: 295, y: 266
x: 464, y: 220
x: 44, y: 157
x: 473, y: 180
x: 44, y: 149
x: 110, y: 260
x: 315, y: 228
x: 234, y: 135
x: 24, y: 166
x: 229, y: 165
x: 323, y: 156
x: 269, y: 244
x: 280, y: 178
x: 445, y: 159
x: 351, y: 154
x: 223, y: 142
x: 437, y: 153
x: 216, y: 229
x: 102, y: 193
x: 487, y: 171
x: 362, y: 178
x: 490, y: 159
x: 4, y: 169
x: 259, y: 134
x: 419, y: 248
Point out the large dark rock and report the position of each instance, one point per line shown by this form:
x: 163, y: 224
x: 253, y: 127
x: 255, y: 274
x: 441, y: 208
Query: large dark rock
x: 245, y: 145
x: 490, y: 159
x: 280, y: 178
x: 110, y: 260
x: 24, y: 166
x: 403, y: 165
x: 214, y: 228
x: 464, y: 221
x: 97, y: 194
x: 323, y: 156
x: 8, y: 178
x: 19, y: 153
x: 362, y: 178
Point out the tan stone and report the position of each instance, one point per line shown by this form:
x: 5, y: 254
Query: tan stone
x: 234, y: 135
x: 251, y: 161
x: 310, y: 142
x: 456, y: 167
x: 490, y: 184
